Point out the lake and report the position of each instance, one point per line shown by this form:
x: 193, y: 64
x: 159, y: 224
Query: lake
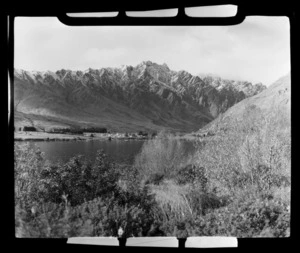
x: 120, y: 151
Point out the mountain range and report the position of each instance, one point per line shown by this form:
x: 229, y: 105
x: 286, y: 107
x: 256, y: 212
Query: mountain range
x: 146, y: 97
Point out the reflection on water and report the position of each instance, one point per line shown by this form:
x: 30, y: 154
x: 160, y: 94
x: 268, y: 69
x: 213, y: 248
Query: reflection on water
x: 120, y: 151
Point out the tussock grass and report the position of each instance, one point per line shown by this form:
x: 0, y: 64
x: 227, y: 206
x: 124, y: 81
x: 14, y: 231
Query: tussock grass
x: 171, y: 198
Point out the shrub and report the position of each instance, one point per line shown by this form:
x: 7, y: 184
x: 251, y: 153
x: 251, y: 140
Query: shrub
x: 161, y: 156
x: 97, y: 217
x: 77, y: 179
x: 38, y: 181
x: 77, y: 198
x: 193, y: 175
x: 250, y: 217
x: 105, y: 175
x: 186, y: 175
x: 265, y: 154
x: 28, y: 163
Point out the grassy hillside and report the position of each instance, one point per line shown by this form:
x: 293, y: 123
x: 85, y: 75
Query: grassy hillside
x: 276, y: 99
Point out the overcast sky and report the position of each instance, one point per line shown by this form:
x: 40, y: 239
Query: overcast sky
x: 258, y: 50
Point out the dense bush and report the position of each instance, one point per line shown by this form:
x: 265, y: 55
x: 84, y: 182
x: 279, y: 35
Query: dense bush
x: 76, y: 179
x: 250, y: 217
x: 92, y: 218
x: 28, y: 164
x: 77, y: 198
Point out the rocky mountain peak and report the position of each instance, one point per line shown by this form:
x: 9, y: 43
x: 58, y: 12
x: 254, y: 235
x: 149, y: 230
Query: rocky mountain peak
x: 147, y: 63
x: 226, y: 84
x: 166, y: 66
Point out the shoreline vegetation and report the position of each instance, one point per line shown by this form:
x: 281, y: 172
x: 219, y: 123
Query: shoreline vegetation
x: 86, y: 136
x: 43, y: 136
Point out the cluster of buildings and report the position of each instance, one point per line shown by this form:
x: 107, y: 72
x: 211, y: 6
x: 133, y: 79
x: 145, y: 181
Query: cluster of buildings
x: 118, y: 135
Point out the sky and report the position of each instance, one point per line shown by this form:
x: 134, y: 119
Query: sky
x: 257, y: 50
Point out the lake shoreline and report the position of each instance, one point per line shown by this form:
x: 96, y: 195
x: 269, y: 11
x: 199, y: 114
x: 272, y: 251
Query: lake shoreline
x: 42, y: 136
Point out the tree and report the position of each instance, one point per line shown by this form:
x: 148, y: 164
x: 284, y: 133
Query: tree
x: 104, y: 175
x: 160, y: 157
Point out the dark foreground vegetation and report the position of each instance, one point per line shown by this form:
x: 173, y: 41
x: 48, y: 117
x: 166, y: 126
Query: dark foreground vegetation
x: 236, y: 184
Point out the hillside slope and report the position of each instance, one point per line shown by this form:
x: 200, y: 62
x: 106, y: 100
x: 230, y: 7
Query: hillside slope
x: 276, y: 100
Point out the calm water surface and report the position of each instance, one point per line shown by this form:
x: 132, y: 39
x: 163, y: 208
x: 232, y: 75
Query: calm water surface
x: 120, y: 151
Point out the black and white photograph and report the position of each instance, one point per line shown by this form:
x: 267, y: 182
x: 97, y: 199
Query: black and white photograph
x: 152, y: 131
